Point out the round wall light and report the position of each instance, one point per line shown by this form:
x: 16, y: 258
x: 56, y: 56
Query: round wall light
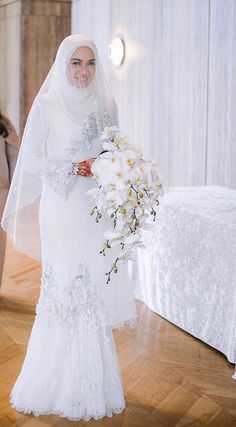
x: 117, y: 50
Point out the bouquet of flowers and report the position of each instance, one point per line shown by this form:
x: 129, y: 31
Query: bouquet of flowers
x: 128, y: 191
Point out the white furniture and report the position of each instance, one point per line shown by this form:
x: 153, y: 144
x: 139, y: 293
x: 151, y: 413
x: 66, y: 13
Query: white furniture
x: 188, y: 272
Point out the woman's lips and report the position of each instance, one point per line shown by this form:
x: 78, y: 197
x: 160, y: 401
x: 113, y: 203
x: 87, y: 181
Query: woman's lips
x: 83, y: 79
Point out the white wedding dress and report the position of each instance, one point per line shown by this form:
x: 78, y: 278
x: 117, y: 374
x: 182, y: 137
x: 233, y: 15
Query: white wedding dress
x: 71, y: 366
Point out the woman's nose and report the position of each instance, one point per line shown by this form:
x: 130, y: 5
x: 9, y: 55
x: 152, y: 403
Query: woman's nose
x: 83, y: 70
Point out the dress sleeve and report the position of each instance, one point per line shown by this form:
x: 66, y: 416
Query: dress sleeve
x: 58, y: 174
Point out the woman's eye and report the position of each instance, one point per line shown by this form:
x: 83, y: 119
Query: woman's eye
x: 78, y: 63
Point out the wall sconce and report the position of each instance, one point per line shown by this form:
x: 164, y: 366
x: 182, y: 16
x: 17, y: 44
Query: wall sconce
x: 117, y: 50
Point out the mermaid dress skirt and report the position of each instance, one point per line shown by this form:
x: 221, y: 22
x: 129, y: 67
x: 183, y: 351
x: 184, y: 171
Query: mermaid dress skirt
x: 71, y: 367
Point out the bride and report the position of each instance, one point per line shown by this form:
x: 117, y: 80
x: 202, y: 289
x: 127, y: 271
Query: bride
x: 71, y: 367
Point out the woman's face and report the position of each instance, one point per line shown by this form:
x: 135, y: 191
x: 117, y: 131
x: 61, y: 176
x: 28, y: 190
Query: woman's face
x: 81, y: 67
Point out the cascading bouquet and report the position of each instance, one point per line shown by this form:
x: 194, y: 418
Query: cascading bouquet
x: 128, y: 191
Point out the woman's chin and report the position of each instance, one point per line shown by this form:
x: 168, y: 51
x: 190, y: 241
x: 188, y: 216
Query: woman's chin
x: 82, y: 84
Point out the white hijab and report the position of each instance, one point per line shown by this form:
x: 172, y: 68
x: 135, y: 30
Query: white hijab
x: 76, y: 102
x: 21, y: 214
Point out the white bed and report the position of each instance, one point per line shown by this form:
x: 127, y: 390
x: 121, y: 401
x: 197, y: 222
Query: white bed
x: 188, y: 272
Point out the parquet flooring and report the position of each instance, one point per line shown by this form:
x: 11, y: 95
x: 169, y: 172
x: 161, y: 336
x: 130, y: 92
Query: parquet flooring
x: 171, y: 378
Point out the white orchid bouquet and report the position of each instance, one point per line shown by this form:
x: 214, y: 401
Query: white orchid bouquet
x: 128, y: 191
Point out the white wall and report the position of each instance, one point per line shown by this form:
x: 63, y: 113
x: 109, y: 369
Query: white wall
x: 176, y: 89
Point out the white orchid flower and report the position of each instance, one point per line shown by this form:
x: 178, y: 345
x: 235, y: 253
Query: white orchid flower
x: 113, y: 198
x: 118, y: 180
x: 101, y: 202
x: 120, y: 223
x: 109, y: 132
x: 94, y: 192
x: 131, y: 239
x: 139, y: 245
x: 110, y: 235
x: 126, y: 256
x: 107, y: 145
x: 128, y: 159
x: 120, y: 142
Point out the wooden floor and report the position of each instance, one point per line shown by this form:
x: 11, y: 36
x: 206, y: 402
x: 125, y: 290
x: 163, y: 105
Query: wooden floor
x: 171, y: 378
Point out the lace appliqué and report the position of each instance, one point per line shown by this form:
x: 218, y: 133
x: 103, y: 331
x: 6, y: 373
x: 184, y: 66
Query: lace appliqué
x: 92, y: 127
x: 60, y: 177
x: 74, y: 304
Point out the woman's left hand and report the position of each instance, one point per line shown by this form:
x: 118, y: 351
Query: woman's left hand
x: 84, y: 168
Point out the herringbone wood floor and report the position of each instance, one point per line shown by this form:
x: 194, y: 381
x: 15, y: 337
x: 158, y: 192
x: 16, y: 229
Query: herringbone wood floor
x: 171, y: 378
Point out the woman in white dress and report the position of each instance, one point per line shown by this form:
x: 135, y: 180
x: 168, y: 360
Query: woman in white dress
x: 71, y: 367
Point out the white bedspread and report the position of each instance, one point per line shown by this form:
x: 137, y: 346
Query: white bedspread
x: 188, y: 273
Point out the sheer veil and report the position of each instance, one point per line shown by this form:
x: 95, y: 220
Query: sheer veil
x: 20, y: 217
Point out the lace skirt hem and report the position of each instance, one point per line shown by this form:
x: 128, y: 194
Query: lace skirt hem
x: 130, y: 323
x: 62, y: 414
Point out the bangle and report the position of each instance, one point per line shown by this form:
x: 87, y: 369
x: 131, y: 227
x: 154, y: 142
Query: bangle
x: 74, y: 168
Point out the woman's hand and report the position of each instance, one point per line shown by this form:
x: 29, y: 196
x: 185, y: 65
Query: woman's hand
x: 84, y: 168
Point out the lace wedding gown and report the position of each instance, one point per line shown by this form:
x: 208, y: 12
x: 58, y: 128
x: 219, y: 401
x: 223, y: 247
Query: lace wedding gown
x: 71, y: 366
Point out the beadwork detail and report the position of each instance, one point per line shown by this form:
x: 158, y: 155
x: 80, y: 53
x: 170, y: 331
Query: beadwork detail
x: 91, y: 128
x: 68, y: 304
x: 60, y: 177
